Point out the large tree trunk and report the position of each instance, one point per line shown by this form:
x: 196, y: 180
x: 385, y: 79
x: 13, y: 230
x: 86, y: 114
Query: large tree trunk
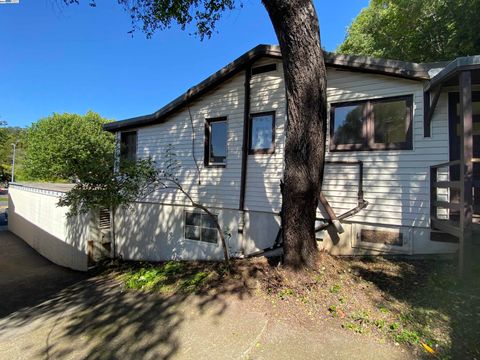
x: 297, y: 29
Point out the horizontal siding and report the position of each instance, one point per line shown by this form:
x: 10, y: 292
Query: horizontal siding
x: 396, y: 183
x: 264, y: 171
x: 214, y: 187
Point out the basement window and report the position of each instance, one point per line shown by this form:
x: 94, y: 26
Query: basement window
x: 262, y: 133
x: 216, y: 142
x: 200, y: 227
x: 379, y: 124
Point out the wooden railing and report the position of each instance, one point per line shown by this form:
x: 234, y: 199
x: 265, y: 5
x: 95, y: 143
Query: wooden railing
x: 447, y: 224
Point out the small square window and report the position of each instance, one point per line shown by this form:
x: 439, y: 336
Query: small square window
x: 216, y: 142
x: 262, y: 133
x: 200, y: 227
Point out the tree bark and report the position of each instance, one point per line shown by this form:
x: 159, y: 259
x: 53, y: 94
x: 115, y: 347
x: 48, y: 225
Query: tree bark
x: 296, y: 25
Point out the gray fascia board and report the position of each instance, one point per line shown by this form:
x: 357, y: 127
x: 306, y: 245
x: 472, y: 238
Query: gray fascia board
x: 396, y: 68
x: 197, y: 90
x: 452, y: 69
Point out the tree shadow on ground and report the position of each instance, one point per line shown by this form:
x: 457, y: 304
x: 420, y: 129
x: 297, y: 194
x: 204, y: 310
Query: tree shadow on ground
x: 436, y: 300
x: 98, y: 319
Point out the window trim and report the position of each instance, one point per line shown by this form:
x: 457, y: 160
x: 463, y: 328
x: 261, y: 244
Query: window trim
x: 206, y: 155
x: 368, y: 130
x: 199, y: 241
x: 122, y: 133
x: 271, y: 149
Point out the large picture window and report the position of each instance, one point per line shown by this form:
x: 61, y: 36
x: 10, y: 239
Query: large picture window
x: 378, y: 124
x: 216, y: 142
x: 262, y: 133
x: 200, y: 227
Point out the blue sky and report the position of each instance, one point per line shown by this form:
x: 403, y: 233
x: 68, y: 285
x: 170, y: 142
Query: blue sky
x: 72, y: 59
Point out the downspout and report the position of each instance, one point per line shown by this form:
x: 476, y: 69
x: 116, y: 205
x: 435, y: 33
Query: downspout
x: 243, y: 178
x: 114, y: 240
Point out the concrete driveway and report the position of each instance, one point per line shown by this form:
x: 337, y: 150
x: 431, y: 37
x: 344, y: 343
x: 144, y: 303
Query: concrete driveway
x: 51, y: 313
x: 26, y: 278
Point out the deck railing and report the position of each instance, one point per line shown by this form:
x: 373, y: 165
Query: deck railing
x: 446, y: 224
x: 450, y: 223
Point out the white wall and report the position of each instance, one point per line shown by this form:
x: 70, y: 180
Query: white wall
x: 396, y: 182
x: 34, y: 216
x: 219, y: 187
x: 149, y: 231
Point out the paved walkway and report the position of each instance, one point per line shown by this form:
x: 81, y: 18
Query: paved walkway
x: 51, y: 313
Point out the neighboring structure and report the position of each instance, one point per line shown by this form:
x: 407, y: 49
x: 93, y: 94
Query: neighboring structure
x: 395, y: 119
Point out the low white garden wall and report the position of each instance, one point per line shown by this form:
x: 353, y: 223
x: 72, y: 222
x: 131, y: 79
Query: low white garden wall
x: 34, y: 216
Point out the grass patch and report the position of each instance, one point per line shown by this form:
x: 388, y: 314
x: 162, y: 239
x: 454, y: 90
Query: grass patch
x: 166, y: 278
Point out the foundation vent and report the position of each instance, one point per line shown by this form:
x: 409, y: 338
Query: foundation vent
x: 381, y: 237
x: 105, y: 221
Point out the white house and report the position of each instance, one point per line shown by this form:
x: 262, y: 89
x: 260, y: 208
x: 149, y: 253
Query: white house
x: 398, y: 133
x: 395, y: 119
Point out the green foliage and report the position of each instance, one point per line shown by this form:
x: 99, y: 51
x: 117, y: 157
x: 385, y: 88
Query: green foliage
x: 153, y: 15
x: 67, y: 147
x: 9, y: 136
x: 415, y: 30
x: 170, y: 277
x: 285, y: 293
x: 99, y: 187
x: 335, y: 289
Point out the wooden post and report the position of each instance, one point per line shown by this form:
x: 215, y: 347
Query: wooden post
x: 433, y: 195
x: 466, y: 171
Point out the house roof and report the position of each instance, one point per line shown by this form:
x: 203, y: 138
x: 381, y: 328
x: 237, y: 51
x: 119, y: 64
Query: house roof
x: 447, y: 75
x: 395, y: 68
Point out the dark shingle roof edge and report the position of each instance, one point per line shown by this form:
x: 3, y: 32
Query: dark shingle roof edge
x: 395, y: 68
x: 452, y: 68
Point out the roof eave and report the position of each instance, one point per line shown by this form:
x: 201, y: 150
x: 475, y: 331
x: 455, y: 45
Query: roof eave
x: 453, y: 68
x: 196, y: 91
x: 394, y: 68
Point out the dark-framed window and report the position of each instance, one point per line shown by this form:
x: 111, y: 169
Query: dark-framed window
x: 377, y: 124
x: 216, y: 133
x: 199, y: 226
x: 262, y: 133
x: 128, y: 146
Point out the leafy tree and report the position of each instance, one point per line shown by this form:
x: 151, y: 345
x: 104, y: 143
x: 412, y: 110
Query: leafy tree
x: 9, y: 136
x: 297, y: 29
x: 61, y: 146
x: 415, y: 30
x: 98, y: 187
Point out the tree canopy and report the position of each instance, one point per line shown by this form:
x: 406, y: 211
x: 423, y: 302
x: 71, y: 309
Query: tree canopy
x: 415, y: 30
x: 8, y: 136
x: 61, y: 146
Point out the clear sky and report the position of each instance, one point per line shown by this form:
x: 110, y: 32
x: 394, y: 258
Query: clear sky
x: 73, y: 59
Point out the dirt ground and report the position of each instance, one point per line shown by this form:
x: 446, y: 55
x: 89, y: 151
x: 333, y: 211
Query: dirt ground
x: 101, y: 318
